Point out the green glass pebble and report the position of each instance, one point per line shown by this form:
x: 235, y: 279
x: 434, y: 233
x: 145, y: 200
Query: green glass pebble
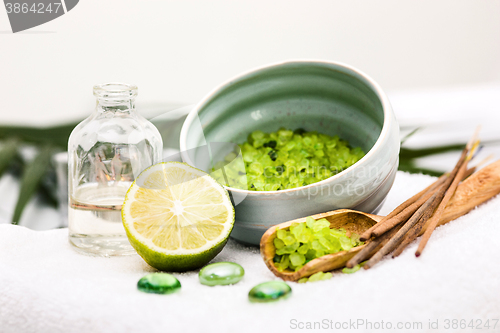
x: 269, y: 292
x: 221, y: 273
x: 159, y: 283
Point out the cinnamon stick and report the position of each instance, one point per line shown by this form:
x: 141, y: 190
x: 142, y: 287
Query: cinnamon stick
x: 403, y: 216
x: 398, y: 237
x: 440, y: 209
x: 415, y: 231
x: 369, y: 248
x: 440, y: 198
x: 368, y: 233
x: 466, y: 156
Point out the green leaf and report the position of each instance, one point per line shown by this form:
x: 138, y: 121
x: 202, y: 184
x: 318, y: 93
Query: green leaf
x: 55, y: 135
x: 409, y: 156
x: 47, y: 190
x: 8, y: 153
x: 410, y: 167
x: 49, y: 196
x: 409, y: 135
x: 31, y: 179
x: 409, y: 153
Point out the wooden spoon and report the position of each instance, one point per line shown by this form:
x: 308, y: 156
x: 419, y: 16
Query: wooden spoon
x: 475, y: 190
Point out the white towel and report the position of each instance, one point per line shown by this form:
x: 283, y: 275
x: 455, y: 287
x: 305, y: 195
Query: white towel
x: 45, y: 286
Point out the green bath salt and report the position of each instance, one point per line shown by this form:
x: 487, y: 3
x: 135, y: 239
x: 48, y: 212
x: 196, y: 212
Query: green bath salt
x: 303, y: 242
x: 285, y: 159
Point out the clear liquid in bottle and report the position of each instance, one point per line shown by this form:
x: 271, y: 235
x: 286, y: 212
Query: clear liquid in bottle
x: 95, y: 219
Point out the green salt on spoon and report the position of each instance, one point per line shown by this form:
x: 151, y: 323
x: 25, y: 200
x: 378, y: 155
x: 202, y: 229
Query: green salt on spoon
x: 316, y: 277
x: 346, y: 270
x: 269, y: 292
x: 159, y: 283
x: 221, y: 273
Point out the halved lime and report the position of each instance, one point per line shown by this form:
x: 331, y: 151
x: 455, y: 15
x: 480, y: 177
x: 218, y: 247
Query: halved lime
x: 177, y: 217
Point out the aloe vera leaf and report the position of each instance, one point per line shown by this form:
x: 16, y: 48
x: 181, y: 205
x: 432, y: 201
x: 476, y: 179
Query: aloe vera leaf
x: 411, y: 168
x: 49, y: 187
x: 409, y: 153
x: 8, y: 153
x: 54, y: 135
x: 31, y: 179
x: 409, y: 135
x: 47, y: 191
x: 48, y: 196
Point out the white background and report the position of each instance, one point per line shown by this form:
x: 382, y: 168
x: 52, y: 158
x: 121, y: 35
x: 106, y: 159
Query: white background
x: 177, y: 51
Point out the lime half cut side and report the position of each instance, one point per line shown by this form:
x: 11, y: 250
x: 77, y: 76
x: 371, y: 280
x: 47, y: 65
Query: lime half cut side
x: 177, y: 217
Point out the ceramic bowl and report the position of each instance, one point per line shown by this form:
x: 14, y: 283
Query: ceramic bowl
x: 328, y: 97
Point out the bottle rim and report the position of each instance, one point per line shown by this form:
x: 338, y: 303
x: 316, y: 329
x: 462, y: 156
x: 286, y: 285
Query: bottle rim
x: 115, y: 90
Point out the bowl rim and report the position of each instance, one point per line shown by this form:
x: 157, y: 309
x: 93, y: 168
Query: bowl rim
x: 384, y: 100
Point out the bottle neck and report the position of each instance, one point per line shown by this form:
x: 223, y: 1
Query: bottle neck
x: 116, y: 98
x: 115, y: 106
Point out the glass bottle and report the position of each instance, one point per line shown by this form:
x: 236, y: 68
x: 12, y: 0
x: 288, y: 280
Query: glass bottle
x: 106, y: 152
